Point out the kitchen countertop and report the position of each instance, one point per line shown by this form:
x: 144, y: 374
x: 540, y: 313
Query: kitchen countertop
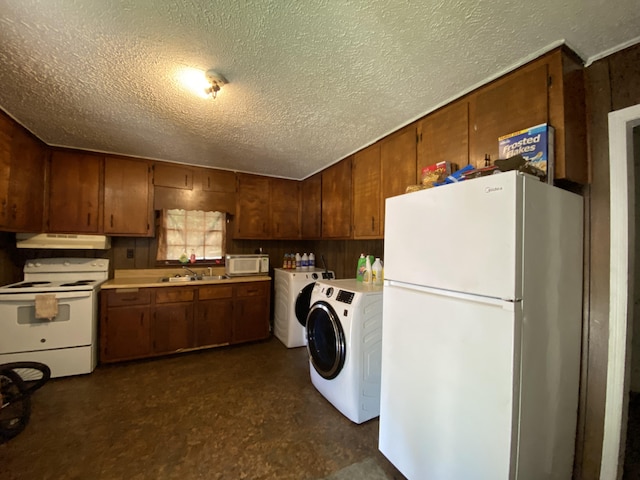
x: 143, y: 278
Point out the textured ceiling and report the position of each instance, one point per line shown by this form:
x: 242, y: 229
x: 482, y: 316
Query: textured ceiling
x: 309, y: 81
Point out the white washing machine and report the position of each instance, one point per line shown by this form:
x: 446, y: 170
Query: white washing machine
x: 292, y: 299
x: 344, y: 333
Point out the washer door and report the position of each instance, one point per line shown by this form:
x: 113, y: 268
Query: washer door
x: 325, y: 340
x: 303, y: 302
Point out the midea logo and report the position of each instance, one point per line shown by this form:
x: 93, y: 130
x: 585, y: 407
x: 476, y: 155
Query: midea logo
x: 492, y: 189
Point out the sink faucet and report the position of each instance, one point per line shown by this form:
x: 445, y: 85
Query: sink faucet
x: 190, y: 271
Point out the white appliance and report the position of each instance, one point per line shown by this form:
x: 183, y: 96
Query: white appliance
x: 292, y: 289
x: 344, y: 334
x: 66, y: 342
x: 482, y: 330
x: 240, y: 265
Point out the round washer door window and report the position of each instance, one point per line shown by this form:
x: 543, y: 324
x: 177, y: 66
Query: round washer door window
x: 303, y: 303
x: 325, y: 340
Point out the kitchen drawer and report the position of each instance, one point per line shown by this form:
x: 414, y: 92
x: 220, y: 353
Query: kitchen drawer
x: 213, y: 292
x: 175, y: 294
x: 127, y: 296
x: 252, y: 289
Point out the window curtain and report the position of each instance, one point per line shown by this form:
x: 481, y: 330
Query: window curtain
x: 187, y: 231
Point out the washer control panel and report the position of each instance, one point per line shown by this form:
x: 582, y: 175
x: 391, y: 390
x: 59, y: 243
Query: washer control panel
x: 345, y: 296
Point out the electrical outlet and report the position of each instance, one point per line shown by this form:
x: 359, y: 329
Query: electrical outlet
x: 129, y: 252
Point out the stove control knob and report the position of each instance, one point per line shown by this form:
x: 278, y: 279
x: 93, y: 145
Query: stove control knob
x: 37, y: 264
x: 66, y: 263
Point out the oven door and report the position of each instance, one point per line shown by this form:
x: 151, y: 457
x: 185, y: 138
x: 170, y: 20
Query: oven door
x: 21, y: 331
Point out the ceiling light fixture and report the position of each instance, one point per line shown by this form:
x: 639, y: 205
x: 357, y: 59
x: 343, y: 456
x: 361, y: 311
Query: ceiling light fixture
x: 216, y: 81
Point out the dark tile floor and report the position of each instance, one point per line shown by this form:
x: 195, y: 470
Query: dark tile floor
x: 245, y: 412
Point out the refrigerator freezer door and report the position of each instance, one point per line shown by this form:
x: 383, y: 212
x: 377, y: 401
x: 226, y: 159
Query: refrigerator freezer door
x: 449, y: 386
x: 464, y: 237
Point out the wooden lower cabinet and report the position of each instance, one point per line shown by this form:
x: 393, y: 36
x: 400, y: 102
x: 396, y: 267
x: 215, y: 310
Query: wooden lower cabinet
x: 147, y: 322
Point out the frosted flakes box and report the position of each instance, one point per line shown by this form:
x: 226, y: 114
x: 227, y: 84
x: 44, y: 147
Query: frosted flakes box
x: 535, y: 145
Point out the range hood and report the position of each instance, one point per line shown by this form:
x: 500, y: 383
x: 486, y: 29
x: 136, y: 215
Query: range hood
x: 62, y: 240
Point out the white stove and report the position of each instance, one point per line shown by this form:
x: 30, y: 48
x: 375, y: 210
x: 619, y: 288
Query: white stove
x: 52, y: 316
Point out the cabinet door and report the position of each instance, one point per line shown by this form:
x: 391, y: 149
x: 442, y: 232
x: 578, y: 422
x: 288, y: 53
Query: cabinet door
x: 336, y: 200
x: 74, y: 192
x: 172, y: 327
x: 444, y: 136
x: 311, y: 204
x: 212, y: 180
x: 124, y: 333
x: 398, y: 162
x: 26, y: 183
x: 284, y: 206
x: 367, y: 193
x: 512, y: 103
x: 252, y: 210
x: 127, y: 206
x: 7, y: 128
x: 174, y: 176
x: 251, y: 312
x: 214, y: 322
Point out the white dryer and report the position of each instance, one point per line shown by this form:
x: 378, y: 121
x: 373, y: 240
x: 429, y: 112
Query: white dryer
x: 344, y: 333
x: 292, y: 300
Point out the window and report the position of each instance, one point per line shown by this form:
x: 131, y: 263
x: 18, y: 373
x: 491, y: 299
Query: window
x: 187, y: 231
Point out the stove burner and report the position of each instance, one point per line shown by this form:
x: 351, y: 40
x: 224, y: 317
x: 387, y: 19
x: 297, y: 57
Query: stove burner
x: 28, y: 284
x: 77, y: 283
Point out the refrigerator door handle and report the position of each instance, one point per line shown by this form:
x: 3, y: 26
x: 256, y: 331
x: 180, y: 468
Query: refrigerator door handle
x: 507, y: 304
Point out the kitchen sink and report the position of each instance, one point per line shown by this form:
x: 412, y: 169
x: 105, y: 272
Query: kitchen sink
x: 191, y: 278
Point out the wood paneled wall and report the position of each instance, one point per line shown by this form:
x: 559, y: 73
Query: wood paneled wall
x: 612, y: 83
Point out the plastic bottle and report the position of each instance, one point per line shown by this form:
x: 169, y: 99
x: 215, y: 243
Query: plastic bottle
x: 366, y: 276
x: 183, y: 258
x: 192, y: 258
x: 360, y: 268
x: 376, y: 272
x: 305, y: 261
x: 285, y: 258
x: 298, y: 261
x: 312, y: 261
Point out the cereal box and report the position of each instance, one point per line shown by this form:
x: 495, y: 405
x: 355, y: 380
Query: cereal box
x: 535, y: 144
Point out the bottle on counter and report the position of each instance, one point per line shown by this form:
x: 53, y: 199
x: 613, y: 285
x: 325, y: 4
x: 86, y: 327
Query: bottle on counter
x: 360, y: 268
x: 312, y: 261
x: 298, y: 260
x: 367, y: 275
x: 305, y: 261
x: 192, y: 257
x: 376, y: 272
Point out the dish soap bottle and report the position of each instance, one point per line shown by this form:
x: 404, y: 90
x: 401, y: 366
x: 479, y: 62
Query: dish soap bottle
x: 376, y: 272
x: 183, y: 258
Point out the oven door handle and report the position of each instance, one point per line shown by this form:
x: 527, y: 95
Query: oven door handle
x: 31, y: 297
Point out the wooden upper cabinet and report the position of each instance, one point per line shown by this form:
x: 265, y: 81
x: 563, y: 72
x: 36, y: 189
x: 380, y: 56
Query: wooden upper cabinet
x: 444, y: 136
x: 74, y: 192
x: 367, y: 197
x: 252, y: 207
x: 172, y: 175
x: 7, y: 130
x: 398, y: 163
x: 127, y: 197
x: 311, y: 207
x: 336, y: 200
x: 512, y: 103
x: 211, y: 180
x: 26, y: 183
x: 284, y: 206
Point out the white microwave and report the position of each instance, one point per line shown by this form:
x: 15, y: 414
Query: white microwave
x: 238, y: 265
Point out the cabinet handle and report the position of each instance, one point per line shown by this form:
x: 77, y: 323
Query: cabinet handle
x: 14, y: 211
x: 141, y: 318
x: 88, y: 219
x: 208, y: 182
x: 111, y: 220
x: 186, y: 180
x: 373, y: 223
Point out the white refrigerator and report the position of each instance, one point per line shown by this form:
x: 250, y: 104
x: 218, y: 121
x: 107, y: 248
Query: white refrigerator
x: 482, y: 309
